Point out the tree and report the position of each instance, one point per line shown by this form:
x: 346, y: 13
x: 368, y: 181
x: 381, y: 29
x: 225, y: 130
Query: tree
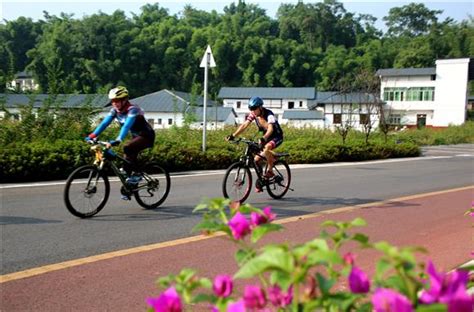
x: 411, y: 20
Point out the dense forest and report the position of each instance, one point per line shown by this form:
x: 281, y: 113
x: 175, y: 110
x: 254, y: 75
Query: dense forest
x: 307, y: 45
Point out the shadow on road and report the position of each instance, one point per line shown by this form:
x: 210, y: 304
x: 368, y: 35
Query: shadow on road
x: 24, y: 220
x: 160, y: 213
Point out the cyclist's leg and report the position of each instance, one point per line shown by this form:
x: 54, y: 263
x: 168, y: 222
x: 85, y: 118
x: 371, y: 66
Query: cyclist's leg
x: 133, y: 148
x: 268, y: 152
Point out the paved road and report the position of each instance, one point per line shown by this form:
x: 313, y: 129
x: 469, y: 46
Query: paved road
x: 111, y: 282
x: 37, y: 230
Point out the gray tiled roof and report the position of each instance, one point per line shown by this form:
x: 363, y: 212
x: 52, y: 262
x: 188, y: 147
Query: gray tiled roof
x: 296, y: 114
x: 393, y: 72
x: 333, y: 97
x: 65, y: 100
x: 222, y: 113
x: 267, y: 93
x: 166, y: 101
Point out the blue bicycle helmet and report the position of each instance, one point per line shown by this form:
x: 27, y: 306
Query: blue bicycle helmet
x: 255, y: 102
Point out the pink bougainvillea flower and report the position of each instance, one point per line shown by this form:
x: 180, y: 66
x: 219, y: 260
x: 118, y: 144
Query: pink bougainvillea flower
x: 358, y: 281
x: 349, y: 258
x: 388, y: 300
x: 236, y: 306
x: 449, y: 289
x: 254, y: 297
x: 239, y: 226
x: 222, y: 286
x: 258, y: 218
x: 278, y: 298
x: 168, y: 301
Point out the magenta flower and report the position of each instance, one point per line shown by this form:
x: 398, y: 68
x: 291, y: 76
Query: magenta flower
x: 222, y: 286
x: 449, y: 289
x: 168, y: 301
x: 267, y: 216
x: 349, y: 258
x: 254, y: 297
x: 236, y: 306
x: 358, y: 281
x: 278, y: 298
x: 239, y: 226
x: 387, y: 300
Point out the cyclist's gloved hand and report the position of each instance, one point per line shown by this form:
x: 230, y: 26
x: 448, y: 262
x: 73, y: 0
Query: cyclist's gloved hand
x: 262, y: 142
x: 114, y: 142
x: 90, y: 138
x: 230, y: 137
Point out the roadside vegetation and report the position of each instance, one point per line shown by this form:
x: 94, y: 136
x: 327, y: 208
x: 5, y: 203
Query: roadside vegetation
x: 43, y: 147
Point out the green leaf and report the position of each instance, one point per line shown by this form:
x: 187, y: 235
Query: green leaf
x: 358, y: 222
x: 323, y: 256
x: 283, y: 279
x: 204, y: 298
x: 274, y: 258
x: 381, y: 267
x: 361, y: 238
x: 242, y: 256
x: 432, y: 308
x: 324, y: 284
x: 261, y: 230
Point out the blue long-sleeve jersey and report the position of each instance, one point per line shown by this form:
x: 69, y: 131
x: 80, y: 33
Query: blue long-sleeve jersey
x: 132, y: 119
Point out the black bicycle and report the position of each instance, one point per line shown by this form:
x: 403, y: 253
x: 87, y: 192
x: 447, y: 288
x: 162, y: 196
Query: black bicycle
x: 237, y: 182
x: 88, y: 188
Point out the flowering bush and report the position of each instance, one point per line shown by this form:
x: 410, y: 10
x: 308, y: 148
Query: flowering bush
x: 305, y: 277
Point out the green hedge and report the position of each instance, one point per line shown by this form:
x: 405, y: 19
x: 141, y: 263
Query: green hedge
x: 55, y: 160
x: 179, y: 149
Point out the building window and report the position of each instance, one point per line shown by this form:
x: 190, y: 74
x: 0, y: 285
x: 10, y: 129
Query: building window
x: 291, y: 105
x: 421, y: 94
x: 394, y: 119
x: 239, y: 104
x: 433, y: 77
x: 337, y: 119
x: 364, y: 119
x: 151, y: 122
x: 394, y: 94
x: 159, y: 121
x: 170, y: 121
x: 301, y: 103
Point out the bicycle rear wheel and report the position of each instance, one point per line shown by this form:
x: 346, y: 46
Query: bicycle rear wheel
x: 237, y: 182
x: 154, y: 187
x: 86, y: 192
x: 278, y: 185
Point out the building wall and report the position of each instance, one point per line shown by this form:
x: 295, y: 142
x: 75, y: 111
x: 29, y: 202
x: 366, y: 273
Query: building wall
x: 451, y: 90
x: 277, y: 106
x: 450, y: 95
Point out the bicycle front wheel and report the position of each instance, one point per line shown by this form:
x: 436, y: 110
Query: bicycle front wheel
x: 154, y: 187
x: 237, y: 182
x: 278, y: 185
x: 86, y: 192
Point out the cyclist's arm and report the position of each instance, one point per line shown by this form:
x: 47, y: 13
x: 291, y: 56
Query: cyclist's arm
x: 269, y: 132
x: 126, y: 126
x: 241, y: 128
x: 103, y: 125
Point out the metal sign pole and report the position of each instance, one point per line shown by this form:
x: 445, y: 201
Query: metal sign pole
x: 204, y: 123
x: 206, y: 62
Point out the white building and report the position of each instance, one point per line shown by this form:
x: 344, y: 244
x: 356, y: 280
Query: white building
x: 435, y: 96
x: 304, y: 107
x: 23, y: 82
x: 163, y: 109
x: 166, y: 108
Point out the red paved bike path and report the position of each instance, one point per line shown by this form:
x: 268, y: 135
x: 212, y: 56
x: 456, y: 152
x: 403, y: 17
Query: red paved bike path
x: 435, y: 221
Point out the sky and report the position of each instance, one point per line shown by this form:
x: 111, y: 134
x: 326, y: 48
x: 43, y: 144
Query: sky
x: 12, y: 9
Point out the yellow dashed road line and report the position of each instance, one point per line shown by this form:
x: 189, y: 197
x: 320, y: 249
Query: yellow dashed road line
x: 72, y: 263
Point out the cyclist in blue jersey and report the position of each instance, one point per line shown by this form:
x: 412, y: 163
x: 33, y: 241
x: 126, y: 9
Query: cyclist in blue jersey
x: 269, y: 126
x: 132, y: 119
